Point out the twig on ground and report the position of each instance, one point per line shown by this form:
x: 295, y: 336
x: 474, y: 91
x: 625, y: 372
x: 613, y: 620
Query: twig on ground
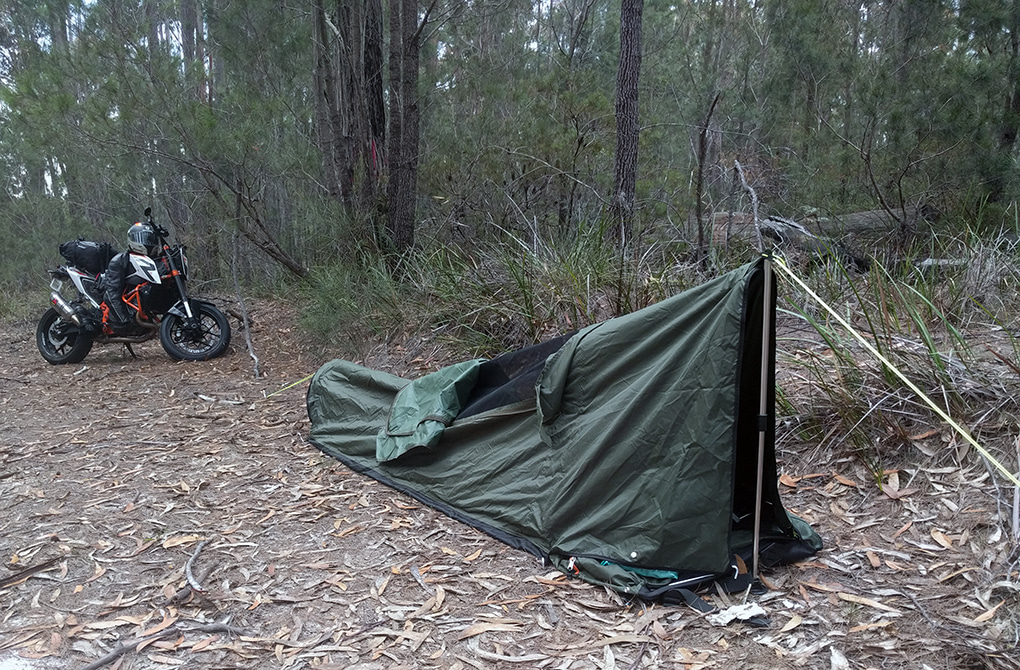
x: 195, y: 585
x: 935, y: 625
x: 640, y: 653
x: 220, y: 628
x: 28, y: 572
x: 641, y: 650
x: 1016, y: 499
x: 122, y: 649
x: 364, y: 629
x: 185, y: 592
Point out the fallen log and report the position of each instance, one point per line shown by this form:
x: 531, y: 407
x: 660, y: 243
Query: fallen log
x: 790, y: 234
x: 740, y: 225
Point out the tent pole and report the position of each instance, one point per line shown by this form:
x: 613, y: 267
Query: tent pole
x: 763, y: 404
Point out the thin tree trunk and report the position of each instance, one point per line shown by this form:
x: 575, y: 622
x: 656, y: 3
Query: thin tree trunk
x: 189, y: 28
x: 374, y: 94
x: 1009, y: 127
x: 403, y: 135
x: 627, y: 128
x: 326, y: 100
x: 699, y: 194
x: 411, y: 112
x: 394, y: 138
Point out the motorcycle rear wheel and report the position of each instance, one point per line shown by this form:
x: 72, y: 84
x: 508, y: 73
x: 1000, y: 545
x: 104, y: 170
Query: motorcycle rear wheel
x: 205, y: 336
x: 59, y: 341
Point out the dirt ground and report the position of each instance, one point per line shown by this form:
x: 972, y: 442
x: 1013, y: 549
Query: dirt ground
x: 120, y: 475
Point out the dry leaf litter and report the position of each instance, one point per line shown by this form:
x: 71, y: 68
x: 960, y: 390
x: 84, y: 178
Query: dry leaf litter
x: 158, y: 514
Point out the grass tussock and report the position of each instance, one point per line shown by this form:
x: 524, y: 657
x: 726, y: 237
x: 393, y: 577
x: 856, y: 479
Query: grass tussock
x: 502, y: 295
x: 944, y: 324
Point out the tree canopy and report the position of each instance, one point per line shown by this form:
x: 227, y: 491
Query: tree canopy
x: 275, y: 123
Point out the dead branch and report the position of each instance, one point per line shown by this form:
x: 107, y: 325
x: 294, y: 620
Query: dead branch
x: 122, y: 649
x: 126, y: 648
x: 182, y: 594
x: 699, y: 189
x: 28, y: 572
x: 754, y: 204
x: 195, y: 586
x: 219, y: 628
x: 244, y: 313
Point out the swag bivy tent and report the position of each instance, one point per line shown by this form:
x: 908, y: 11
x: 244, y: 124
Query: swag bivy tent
x: 626, y: 454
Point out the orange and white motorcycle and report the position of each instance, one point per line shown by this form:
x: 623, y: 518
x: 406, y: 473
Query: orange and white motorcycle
x: 156, y: 295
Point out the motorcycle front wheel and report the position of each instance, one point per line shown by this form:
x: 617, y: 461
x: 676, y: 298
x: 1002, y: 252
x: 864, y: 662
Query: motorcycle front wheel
x: 204, y: 336
x: 61, y: 341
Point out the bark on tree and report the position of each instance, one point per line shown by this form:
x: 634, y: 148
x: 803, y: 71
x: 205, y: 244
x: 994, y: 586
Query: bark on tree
x: 402, y: 148
x: 396, y: 131
x: 349, y: 99
x: 627, y: 129
x: 699, y: 193
x: 189, y: 26
x: 325, y: 90
x: 374, y: 97
x: 1009, y: 128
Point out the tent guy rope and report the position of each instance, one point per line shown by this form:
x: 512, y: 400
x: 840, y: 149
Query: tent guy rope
x: 288, y: 386
x: 779, y: 263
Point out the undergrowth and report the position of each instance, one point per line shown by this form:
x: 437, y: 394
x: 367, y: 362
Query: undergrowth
x: 21, y: 303
x: 493, y: 297
x: 945, y: 324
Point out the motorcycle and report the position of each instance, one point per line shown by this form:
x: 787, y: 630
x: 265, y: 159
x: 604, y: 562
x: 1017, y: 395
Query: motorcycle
x: 188, y: 328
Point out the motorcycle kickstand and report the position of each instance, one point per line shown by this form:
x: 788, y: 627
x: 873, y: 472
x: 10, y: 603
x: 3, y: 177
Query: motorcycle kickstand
x: 127, y: 345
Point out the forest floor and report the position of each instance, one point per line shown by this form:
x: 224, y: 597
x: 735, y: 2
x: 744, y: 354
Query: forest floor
x: 118, y: 472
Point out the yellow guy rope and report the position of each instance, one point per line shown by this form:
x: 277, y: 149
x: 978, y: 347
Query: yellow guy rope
x: 913, y: 387
x: 289, y: 386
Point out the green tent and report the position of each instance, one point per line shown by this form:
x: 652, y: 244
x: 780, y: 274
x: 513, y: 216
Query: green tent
x: 625, y: 453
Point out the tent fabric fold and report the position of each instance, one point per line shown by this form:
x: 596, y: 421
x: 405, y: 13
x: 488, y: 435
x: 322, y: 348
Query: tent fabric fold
x: 423, y: 409
x: 624, y: 453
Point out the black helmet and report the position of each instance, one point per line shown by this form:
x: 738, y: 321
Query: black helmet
x: 142, y: 239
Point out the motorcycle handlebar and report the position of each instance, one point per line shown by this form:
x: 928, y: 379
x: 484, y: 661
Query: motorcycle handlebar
x: 160, y: 230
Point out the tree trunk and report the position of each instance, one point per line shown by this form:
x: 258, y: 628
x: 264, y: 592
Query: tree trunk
x: 627, y: 129
x: 192, y: 49
x: 699, y: 186
x: 325, y: 100
x: 1009, y: 127
x: 189, y: 27
x: 403, y: 135
x: 374, y: 95
x: 155, y: 19
x: 347, y: 71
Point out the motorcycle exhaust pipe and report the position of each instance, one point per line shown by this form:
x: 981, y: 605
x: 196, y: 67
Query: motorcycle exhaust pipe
x: 64, y: 309
x: 148, y: 325
x: 125, y: 339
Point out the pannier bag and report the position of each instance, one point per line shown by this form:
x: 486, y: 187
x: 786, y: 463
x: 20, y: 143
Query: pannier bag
x: 88, y: 256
